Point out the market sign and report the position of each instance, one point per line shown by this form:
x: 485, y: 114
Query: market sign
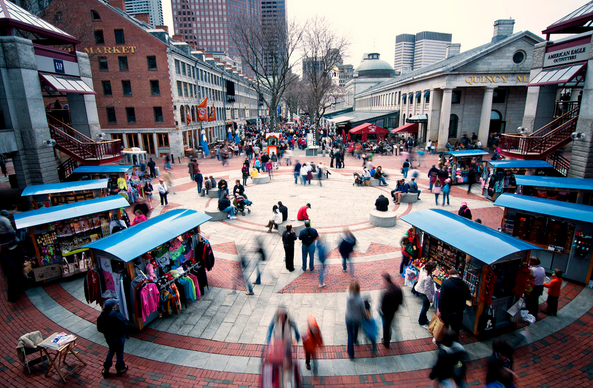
x: 496, y: 79
x: 567, y: 55
x: 372, y: 128
x: 111, y: 50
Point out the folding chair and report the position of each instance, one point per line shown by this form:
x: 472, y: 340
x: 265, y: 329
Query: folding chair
x: 27, y: 348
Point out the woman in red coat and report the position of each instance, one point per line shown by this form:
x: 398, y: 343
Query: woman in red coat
x: 553, y: 292
x: 311, y: 340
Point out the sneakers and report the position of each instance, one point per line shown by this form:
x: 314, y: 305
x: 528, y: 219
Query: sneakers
x: 322, y: 285
x: 425, y: 327
x: 122, y: 371
x: 308, y: 366
x: 434, y: 341
x: 249, y: 293
x: 232, y: 218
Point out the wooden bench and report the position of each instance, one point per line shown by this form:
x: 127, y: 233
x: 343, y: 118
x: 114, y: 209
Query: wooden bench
x: 297, y: 226
x: 261, y: 179
x: 409, y: 197
x: 382, y: 219
x: 216, y: 214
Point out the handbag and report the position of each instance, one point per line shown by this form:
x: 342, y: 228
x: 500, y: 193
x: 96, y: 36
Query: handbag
x: 436, y: 327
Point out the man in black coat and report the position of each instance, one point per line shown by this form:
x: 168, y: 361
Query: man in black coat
x: 382, y: 203
x: 391, y: 299
x: 283, y: 210
x: 454, y: 294
x: 114, y: 327
x: 152, y: 168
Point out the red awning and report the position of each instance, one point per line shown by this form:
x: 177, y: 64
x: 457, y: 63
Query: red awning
x: 408, y: 128
x: 557, y: 75
x: 64, y: 84
x: 367, y: 128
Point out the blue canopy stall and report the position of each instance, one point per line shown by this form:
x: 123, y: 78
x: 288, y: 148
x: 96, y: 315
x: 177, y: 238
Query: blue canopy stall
x: 65, y: 192
x: 574, y: 190
x: 127, y: 246
x: 58, y: 232
x: 500, y: 175
x: 563, y: 229
x: 486, y: 259
x: 461, y: 164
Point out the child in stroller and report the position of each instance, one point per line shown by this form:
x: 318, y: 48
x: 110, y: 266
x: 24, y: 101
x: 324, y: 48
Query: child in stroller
x: 357, y: 179
x: 242, y: 204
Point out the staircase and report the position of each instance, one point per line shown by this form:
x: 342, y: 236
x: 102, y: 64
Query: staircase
x: 81, y: 148
x: 544, y: 143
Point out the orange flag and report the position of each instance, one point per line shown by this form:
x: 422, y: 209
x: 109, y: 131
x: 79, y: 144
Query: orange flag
x: 212, y: 115
x: 202, y: 110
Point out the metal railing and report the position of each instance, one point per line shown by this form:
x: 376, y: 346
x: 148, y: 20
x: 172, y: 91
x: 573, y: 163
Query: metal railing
x: 85, y: 150
x: 559, y: 162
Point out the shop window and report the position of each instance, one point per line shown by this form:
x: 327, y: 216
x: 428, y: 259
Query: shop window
x: 95, y: 16
x: 111, y: 119
x: 453, y: 123
x: 103, y: 64
x: 119, y: 37
x: 123, y: 63
x: 106, y: 88
x: 162, y: 139
x: 126, y: 87
x: 154, y: 88
x: 158, y: 114
x: 132, y: 140
x: 99, y: 38
x: 131, y: 115
x: 499, y: 96
x: 151, y: 61
x: 456, y: 97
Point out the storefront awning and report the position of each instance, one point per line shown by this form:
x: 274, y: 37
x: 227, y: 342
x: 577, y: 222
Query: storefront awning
x: 477, y: 240
x: 458, y: 154
x: 406, y: 128
x: 557, y: 75
x: 135, y: 241
x: 418, y: 119
x: 520, y: 164
x: 340, y: 119
x: 554, y: 182
x: 65, y: 187
x: 549, y: 207
x: 367, y: 128
x: 46, y: 215
x: 64, y: 84
x: 113, y: 169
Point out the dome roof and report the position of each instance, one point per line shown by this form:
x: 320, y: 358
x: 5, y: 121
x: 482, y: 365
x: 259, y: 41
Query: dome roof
x: 372, y: 67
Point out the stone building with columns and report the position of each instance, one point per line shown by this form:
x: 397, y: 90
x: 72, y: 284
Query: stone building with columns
x: 481, y: 90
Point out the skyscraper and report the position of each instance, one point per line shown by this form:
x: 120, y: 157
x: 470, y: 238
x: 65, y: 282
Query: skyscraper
x: 153, y: 8
x: 413, y: 52
x: 273, y: 11
x: 208, y: 24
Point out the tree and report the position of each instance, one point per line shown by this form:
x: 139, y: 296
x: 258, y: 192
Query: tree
x: 293, y: 96
x: 267, y: 50
x: 322, y: 49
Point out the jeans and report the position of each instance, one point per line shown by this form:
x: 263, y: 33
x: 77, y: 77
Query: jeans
x: 163, y: 199
x: 324, y: 270
x: 296, y: 177
x: 405, y: 169
x: 304, y: 179
x: 445, y: 195
x: 382, y: 180
x: 168, y: 166
x: 431, y: 183
x: 308, y: 250
x: 199, y: 184
x: 116, y: 346
x: 230, y: 210
x: 247, y: 281
x: 352, y: 329
x: 258, y: 271
x: 423, y: 319
x: 436, y: 198
x: 419, y: 192
x: 245, y: 180
x: 345, y: 261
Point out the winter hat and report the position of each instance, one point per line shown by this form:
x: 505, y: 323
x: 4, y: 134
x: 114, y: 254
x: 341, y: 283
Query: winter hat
x: 4, y: 213
x: 463, y: 203
x: 110, y: 303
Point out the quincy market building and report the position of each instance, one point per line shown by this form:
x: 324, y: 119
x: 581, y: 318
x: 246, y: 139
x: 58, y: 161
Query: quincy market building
x: 482, y: 90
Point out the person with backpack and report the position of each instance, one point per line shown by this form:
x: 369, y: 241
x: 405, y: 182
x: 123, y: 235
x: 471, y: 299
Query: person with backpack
x: 347, y: 243
x: 406, y: 168
x: 464, y: 211
x: 114, y: 327
x: 308, y: 236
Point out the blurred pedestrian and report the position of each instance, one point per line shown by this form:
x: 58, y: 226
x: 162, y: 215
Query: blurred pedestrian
x: 369, y: 326
x: 449, y: 369
x: 391, y: 299
x: 321, y: 256
x: 345, y: 247
x: 312, y: 340
x: 114, y: 327
x: 355, y: 312
x: 500, y: 364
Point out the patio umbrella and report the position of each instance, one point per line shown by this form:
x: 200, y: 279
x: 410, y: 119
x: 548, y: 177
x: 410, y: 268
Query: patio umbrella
x: 230, y: 135
x: 204, y: 145
x: 237, y: 139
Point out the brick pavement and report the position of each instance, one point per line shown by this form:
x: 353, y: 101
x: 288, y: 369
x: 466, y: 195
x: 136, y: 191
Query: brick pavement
x: 559, y: 359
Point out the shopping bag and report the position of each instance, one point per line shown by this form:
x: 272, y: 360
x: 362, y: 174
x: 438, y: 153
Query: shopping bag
x: 516, y: 308
x: 436, y: 327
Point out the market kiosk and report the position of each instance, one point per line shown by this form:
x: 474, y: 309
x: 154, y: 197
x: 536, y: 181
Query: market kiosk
x: 272, y: 141
x: 573, y: 190
x: 563, y: 230
x: 461, y: 163
x: 136, y: 157
x: 123, y: 179
x: 487, y: 260
x: 128, y: 255
x: 97, y: 172
x: 501, y: 175
x: 54, y: 194
x: 59, y: 232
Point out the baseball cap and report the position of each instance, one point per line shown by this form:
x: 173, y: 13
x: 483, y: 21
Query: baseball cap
x: 110, y: 303
x: 463, y: 203
x: 309, y: 205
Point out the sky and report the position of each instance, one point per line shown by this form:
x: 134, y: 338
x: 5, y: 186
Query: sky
x: 371, y: 25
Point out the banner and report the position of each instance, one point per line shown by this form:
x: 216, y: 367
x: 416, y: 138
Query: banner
x: 212, y: 114
x: 202, y: 110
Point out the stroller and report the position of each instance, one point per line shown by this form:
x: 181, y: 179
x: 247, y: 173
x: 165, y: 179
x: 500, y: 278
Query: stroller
x: 357, y: 179
x: 242, y: 204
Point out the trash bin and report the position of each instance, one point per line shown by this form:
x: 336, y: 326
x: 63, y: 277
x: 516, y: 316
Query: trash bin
x: 13, y: 182
x: 157, y: 171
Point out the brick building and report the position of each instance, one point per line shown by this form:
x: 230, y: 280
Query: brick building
x: 149, y: 84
